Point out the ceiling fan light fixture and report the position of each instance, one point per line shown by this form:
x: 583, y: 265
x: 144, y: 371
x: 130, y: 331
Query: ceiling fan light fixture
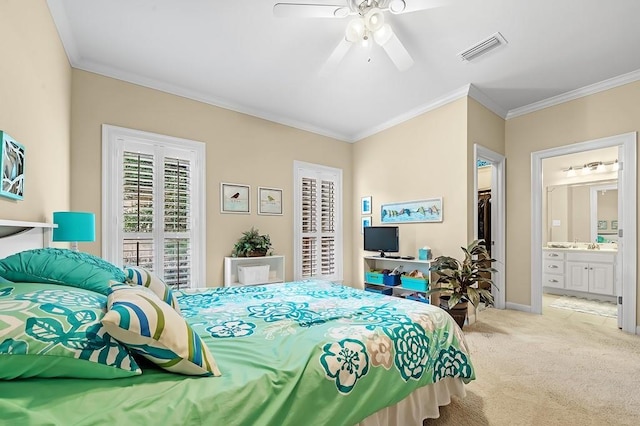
x: 355, y: 30
x: 383, y: 34
x: 397, y: 6
x: 374, y: 19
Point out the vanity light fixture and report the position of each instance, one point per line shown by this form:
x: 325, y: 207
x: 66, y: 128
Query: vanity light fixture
x: 593, y: 167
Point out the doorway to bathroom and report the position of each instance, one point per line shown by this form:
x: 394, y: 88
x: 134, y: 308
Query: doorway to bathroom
x: 604, y: 264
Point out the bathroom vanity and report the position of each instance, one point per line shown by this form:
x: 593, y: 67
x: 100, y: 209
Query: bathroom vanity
x: 580, y: 271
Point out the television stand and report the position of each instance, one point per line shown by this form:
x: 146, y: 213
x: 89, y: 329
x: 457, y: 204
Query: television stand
x: 377, y: 263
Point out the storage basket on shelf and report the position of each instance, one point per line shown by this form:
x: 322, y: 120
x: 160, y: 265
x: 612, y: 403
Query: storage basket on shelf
x: 374, y: 277
x: 253, y: 274
x: 380, y: 290
x: 389, y: 279
x: 418, y: 297
x: 415, y: 283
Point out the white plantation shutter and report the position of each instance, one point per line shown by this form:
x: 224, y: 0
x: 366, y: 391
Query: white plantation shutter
x: 137, y: 209
x: 177, y: 220
x: 318, y: 245
x: 154, y: 202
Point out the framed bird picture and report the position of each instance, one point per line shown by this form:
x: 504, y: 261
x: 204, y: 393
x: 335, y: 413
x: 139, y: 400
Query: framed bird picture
x: 269, y: 201
x: 234, y: 198
x: 12, y: 156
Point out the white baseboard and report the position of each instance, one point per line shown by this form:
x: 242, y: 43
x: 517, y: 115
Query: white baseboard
x: 518, y: 307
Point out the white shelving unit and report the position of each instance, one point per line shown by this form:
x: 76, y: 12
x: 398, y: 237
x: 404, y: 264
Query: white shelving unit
x: 276, y: 269
x: 379, y: 263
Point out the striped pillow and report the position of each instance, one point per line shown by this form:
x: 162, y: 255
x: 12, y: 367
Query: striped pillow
x: 141, y: 321
x: 144, y: 277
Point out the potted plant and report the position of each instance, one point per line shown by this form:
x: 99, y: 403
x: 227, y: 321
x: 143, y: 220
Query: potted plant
x: 460, y: 282
x: 252, y: 244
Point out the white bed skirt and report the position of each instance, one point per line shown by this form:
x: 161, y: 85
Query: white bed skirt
x: 422, y: 404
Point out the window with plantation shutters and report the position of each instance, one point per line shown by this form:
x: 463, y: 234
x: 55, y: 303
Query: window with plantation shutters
x: 153, y: 204
x: 318, y: 244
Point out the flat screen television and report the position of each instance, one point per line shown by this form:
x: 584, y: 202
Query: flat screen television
x: 381, y: 239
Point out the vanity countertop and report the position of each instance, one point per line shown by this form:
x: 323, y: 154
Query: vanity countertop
x: 606, y: 248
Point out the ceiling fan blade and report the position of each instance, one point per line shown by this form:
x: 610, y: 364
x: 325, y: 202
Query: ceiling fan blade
x: 296, y: 10
x: 336, y: 57
x: 407, y: 6
x: 398, y: 54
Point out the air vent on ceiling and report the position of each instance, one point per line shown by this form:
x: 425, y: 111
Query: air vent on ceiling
x: 482, y: 47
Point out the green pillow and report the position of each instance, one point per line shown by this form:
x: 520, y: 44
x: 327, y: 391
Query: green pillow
x: 151, y: 328
x: 51, y: 331
x: 61, y: 266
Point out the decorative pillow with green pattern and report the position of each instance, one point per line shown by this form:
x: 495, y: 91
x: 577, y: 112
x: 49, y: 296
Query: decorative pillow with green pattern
x: 146, y: 325
x: 48, y: 330
x: 141, y: 276
x: 61, y: 266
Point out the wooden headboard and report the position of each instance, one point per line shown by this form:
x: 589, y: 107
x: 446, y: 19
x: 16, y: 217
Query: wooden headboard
x: 16, y: 236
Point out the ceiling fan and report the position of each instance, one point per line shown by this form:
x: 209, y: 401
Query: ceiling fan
x: 368, y: 23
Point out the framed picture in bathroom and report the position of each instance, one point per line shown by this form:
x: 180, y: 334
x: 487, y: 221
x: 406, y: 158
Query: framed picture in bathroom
x: 614, y: 225
x: 602, y: 225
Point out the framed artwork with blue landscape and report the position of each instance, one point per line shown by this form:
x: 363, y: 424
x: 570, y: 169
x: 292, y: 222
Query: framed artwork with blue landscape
x: 429, y: 210
x: 12, y: 165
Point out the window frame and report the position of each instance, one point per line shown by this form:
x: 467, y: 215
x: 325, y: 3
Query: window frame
x: 300, y: 170
x: 113, y: 139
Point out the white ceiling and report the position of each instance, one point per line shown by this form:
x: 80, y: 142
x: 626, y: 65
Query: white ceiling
x: 235, y: 54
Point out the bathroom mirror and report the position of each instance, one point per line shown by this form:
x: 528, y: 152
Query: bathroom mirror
x: 585, y: 212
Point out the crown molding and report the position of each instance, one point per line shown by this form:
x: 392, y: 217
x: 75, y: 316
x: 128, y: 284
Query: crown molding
x: 436, y: 103
x: 107, y: 71
x: 591, y: 89
x: 59, y: 15
x: 486, y: 101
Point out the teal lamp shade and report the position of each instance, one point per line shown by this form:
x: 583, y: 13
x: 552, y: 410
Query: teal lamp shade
x: 74, y: 227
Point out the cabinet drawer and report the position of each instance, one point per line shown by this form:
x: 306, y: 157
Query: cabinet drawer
x: 593, y: 256
x: 551, y: 280
x: 553, y: 266
x: 552, y: 255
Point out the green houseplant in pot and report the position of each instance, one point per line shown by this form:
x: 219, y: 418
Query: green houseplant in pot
x: 252, y: 244
x: 460, y: 282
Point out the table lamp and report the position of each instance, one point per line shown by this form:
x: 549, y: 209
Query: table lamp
x: 74, y: 227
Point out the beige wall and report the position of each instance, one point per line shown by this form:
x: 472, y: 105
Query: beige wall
x: 484, y: 128
x: 35, y: 82
x: 415, y: 160
x: 612, y: 112
x: 239, y: 149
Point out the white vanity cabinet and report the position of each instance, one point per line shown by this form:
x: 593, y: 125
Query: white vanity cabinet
x: 591, y: 272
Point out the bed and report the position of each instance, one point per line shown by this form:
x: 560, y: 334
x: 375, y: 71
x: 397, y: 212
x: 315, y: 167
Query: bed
x: 308, y: 352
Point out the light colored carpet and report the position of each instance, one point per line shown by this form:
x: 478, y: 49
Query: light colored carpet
x: 604, y: 309
x: 546, y: 370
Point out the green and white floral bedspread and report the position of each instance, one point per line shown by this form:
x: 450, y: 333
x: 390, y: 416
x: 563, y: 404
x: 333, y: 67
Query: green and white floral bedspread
x: 335, y: 353
x: 302, y: 353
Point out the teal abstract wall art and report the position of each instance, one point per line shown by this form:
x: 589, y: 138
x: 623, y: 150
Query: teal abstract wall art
x: 12, y: 156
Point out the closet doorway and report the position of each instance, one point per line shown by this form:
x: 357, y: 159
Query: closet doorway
x: 489, y: 214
